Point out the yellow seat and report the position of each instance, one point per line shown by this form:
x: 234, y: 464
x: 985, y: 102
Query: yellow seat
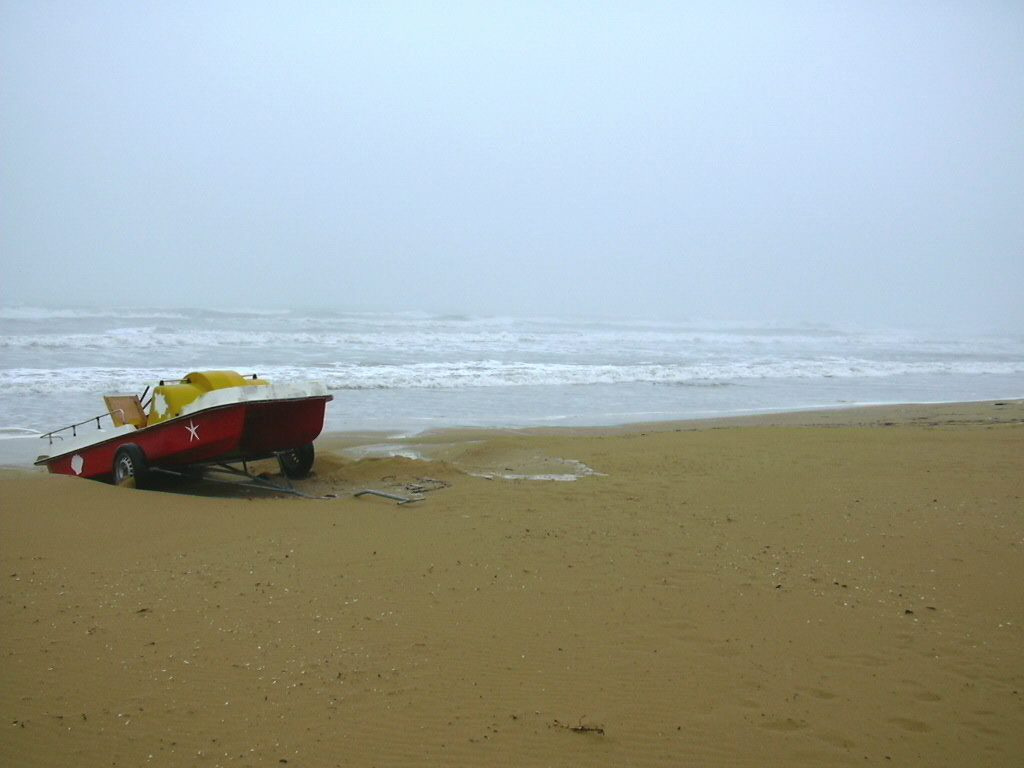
x: 125, y: 409
x: 169, y: 400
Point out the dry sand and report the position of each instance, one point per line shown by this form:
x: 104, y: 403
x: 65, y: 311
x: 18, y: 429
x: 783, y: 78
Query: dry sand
x: 810, y: 589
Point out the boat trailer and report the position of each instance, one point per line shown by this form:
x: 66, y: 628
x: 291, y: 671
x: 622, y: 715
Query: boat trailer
x: 246, y: 479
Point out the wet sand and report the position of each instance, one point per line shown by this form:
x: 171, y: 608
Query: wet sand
x: 841, y: 588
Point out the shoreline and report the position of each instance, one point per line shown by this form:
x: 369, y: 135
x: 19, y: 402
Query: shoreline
x: 810, y: 416
x: 800, y: 589
x: 1007, y: 411
x: 17, y: 453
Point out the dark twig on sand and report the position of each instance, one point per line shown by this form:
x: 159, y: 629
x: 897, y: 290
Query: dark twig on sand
x: 426, y: 484
x: 580, y: 727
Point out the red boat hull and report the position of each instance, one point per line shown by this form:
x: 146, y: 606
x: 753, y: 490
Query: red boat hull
x: 280, y: 425
x: 236, y: 432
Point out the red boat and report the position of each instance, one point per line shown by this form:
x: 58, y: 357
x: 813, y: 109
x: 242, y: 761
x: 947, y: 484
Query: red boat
x: 208, y: 418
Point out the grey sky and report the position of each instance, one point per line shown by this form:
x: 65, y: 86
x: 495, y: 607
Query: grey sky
x: 837, y: 162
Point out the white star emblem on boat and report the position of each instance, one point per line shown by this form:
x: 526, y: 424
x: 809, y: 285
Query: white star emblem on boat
x: 193, y: 431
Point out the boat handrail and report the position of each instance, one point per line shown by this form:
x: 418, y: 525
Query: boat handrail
x: 253, y: 376
x: 74, y: 427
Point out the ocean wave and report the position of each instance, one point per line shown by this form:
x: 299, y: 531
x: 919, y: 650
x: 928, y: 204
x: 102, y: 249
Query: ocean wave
x: 237, y: 313
x: 492, y: 373
x: 503, y: 374
x: 47, y: 313
x: 400, y: 344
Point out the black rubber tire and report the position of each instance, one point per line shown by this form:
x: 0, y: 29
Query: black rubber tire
x: 130, y: 466
x: 296, y: 462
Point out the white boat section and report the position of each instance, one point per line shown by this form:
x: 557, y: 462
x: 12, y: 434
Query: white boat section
x: 87, y: 436
x: 258, y: 394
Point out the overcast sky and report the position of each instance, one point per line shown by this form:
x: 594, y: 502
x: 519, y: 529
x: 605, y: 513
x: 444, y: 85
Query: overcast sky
x: 839, y: 162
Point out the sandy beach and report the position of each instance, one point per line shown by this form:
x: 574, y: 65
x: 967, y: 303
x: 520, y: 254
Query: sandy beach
x: 842, y: 588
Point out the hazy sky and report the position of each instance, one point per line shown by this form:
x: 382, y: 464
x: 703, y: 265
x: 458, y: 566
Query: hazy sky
x: 829, y: 161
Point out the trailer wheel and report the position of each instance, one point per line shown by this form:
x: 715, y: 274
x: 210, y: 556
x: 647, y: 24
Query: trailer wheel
x: 296, y: 462
x: 130, y: 466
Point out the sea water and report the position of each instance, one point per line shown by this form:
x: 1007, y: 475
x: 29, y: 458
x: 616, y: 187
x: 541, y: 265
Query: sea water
x: 409, y: 372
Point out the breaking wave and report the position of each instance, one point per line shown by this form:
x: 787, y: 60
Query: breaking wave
x: 494, y: 373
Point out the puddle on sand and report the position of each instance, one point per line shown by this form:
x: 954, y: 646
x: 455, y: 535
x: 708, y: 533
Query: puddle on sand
x: 576, y: 470
x: 537, y: 468
x: 384, y: 451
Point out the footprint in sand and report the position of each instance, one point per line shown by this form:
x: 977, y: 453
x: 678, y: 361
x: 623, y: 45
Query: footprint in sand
x: 819, y: 693
x: 913, y: 726
x: 784, y: 725
x: 984, y: 730
x: 837, y: 739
